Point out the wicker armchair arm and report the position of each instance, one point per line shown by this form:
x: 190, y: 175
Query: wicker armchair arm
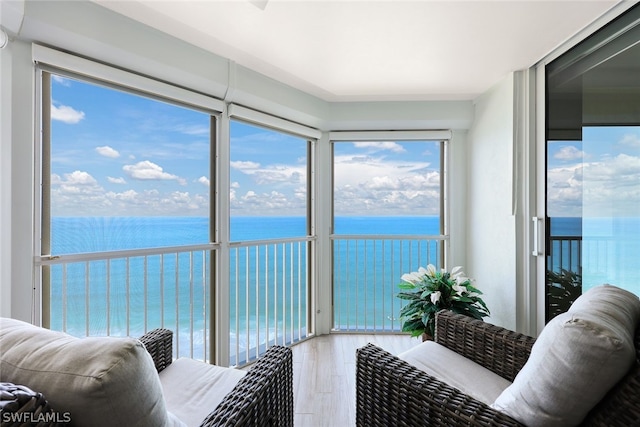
x: 500, y: 350
x: 159, y: 343
x: 390, y: 391
x: 263, y: 397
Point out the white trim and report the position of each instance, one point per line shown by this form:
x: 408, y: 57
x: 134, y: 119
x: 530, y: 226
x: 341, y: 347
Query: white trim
x: 539, y: 176
x: 259, y: 118
x: 417, y: 135
x: 74, y: 64
x: 587, y: 31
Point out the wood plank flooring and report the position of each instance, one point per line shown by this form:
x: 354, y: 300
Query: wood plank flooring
x: 324, y: 372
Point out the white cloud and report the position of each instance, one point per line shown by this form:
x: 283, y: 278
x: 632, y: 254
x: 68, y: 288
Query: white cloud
x: 146, y: 170
x: 568, y: 152
x: 235, y: 184
x: 116, y: 180
x: 66, y: 114
x: 595, y: 188
x: 80, y: 178
x: 204, y: 181
x: 107, y: 151
x: 631, y: 140
x: 244, y: 166
x: 375, y: 146
x: 61, y: 80
x: 267, y: 203
x: 273, y: 174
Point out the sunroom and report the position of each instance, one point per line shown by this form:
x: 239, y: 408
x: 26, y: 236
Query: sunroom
x: 173, y: 164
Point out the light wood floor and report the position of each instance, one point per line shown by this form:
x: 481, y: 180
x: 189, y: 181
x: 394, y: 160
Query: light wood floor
x: 324, y: 372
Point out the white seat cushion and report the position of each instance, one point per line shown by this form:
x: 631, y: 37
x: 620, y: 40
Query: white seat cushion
x: 578, y: 357
x: 99, y: 382
x: 456, y: 370
x: 193, y: 389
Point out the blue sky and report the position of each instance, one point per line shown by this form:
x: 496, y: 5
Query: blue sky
x: 116, y: 153
x: 599, y: 176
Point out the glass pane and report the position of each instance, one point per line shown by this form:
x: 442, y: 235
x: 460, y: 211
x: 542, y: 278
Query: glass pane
x: 593, y: 168
x: 387, y: 187
x: 126, y: 171
x: 387, y: 222
x: 268, y: 195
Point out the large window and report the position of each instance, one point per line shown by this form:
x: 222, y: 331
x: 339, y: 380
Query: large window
x: 268, y: 171
x: 270, y: 236
x: 125, y: 212
x: 126, y: 171
x: 388, y: 220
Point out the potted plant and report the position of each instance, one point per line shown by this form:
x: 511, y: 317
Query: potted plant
x: 429, y: 291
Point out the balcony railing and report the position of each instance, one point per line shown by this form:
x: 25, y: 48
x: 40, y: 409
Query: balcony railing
x: 269, y: 288
x: 565, y: 253
x: 126, y: 293
x: 366, y: 273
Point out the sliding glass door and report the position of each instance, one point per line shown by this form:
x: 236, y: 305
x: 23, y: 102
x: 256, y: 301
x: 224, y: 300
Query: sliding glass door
x: 593, y: 165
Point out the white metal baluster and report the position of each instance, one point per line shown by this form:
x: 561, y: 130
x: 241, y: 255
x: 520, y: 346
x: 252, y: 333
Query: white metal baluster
x: 191, y: 283
x: 257, y: 301
x: 246, y: 297
x: 127, y: 281
x: 384, y: 290
x: 300, y: 290
x: 237, y: 304
x: 162, y: 290
x: 177, y: 287
x: 375, y: 288
x: 275, y: 293
x: 204, y: 305
x: 357, y: 280
x: 108, y: 284
x: 291, y: 294
x: 86, y: 297
x: 266, y: 296
x: 284, y: 294
x: 146, y: 290
x: 64, y: 297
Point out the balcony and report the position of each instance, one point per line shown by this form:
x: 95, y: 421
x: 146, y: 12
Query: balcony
x: 122, y: 293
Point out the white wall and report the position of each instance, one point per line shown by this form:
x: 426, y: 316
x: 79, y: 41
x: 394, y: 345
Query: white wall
x: 16, y: 188
x: 491, y: 238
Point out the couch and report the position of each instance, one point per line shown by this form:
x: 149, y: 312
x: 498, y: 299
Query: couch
x: 583, y: 369
x: 110, y: 381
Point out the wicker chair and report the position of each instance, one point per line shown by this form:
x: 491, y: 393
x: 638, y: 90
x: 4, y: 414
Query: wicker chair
x: 390, y: 391
x: 263, y: 397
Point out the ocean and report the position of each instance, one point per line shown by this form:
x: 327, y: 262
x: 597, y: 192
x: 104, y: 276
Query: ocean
x: 129, y: 295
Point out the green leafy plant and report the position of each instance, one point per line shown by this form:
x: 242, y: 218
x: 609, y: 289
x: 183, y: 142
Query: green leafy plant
x: 563, y: 288
x: 429, y: 291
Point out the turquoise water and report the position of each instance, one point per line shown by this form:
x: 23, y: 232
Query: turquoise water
x: 112, y: 295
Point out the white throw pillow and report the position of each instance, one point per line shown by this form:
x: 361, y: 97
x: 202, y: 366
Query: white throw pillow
x: 98, y: 381
x: 578, y: 357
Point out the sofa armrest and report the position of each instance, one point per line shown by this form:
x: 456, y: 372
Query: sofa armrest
x: 389, y: 391
x: 159, y: 343
x: 262, y: 397
x: 500, y: 350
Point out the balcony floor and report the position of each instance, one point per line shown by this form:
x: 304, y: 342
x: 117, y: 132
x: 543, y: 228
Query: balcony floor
x: 324, y: 372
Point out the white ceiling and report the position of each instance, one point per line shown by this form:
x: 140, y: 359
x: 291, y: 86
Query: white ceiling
x: 356, y: 50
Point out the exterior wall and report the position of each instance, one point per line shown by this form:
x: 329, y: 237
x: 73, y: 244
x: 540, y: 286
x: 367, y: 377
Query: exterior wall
x: 491, y: 238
